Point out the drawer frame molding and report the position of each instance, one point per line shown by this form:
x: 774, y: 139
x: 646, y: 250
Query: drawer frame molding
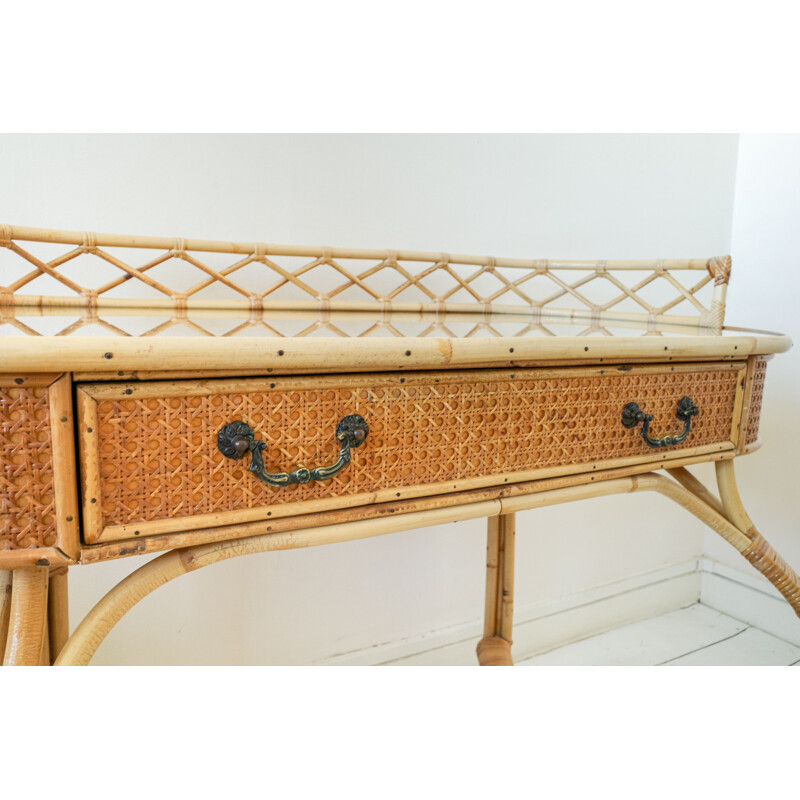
x: 272, y: 504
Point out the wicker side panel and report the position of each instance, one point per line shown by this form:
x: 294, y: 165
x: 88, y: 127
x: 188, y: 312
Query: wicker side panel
x: 157, y: 455
x: 27, y: 496
x: 754, y: 417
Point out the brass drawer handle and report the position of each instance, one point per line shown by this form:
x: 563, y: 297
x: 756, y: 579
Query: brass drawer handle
x: 632, y: 415
x: 236, y: 438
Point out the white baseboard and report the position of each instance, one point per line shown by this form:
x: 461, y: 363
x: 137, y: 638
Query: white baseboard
x: 545, y: 626
x: 748, y: 597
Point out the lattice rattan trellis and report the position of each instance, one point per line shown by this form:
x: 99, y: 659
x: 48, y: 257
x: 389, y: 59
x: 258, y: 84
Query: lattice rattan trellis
x: 97, y: 278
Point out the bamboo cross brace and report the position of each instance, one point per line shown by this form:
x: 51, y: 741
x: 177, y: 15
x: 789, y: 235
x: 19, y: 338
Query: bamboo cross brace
x: 88, y: 636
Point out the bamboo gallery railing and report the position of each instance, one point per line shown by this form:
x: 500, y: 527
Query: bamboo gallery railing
x: 94, y: 277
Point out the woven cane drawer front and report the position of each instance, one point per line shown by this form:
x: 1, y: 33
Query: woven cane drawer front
x: 151, y: 463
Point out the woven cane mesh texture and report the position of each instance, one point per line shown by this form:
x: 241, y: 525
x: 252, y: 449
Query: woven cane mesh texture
x: 762, y: 556
x: 759, y: 375
x: 97, y: 285
x: 27, y: 517
x: 158, y: 456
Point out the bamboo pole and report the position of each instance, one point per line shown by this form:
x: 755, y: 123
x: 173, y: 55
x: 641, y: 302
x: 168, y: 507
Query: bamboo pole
x: 505, y: 620
x: 492, y: 570
x: 58, y: 611
x: 731, y: 501
x: 28, y: 617
x: 688, y: 481
x: 33, y: 556
x: 44, y: 652
x: 5, y: 608
x: 649, y: 482
x: 65, y: 489
x: 79, y: 238
x: 494, y: 649
x: 110, y: 354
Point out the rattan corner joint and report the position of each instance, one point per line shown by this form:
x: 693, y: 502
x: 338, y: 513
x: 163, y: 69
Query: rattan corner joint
x: 246, y: 397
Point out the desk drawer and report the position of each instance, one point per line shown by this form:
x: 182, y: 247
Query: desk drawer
x: 151, y: 464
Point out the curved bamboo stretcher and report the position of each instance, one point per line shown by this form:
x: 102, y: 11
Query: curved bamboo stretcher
x: 27, y: 627
x: 494, y: 648
x: 626, y: 323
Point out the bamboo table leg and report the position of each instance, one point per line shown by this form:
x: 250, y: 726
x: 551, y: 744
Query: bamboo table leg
x: 760, y: 553
x: 494, y: 649
x: 28, y: 617
x: 57, y: 611
x: 5, y: 608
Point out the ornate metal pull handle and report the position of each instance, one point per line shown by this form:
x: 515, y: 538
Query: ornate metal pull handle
x: 236, y: 438
x: 632, y: 415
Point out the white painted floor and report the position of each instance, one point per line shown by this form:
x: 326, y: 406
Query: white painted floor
x: 693, y: 636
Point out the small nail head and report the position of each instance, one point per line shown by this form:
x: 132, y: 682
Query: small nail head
x: 241, y: 445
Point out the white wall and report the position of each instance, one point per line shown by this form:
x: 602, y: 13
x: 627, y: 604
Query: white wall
x: 528, y: 196
x: 765, y: 292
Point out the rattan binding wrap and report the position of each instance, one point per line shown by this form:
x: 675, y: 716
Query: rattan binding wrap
x: 27, y: 496
x: 764, y: 558
x: 179, y: 276
x: 157, y: 455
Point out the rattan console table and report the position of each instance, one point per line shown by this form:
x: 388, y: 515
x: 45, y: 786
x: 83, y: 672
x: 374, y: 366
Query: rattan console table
x: 213, y: 399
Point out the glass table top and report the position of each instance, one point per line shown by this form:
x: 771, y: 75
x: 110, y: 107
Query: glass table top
x: 32, y: 321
